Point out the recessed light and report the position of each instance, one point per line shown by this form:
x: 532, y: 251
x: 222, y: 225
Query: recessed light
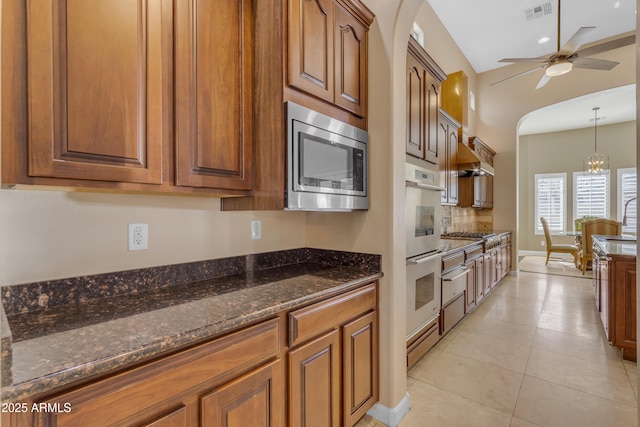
x: 543, y: 40
x: 616, y: 5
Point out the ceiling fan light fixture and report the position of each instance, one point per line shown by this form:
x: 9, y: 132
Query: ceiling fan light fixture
x: 558, y: 69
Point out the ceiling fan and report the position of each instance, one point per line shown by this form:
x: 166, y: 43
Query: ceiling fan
x: 569, y: 56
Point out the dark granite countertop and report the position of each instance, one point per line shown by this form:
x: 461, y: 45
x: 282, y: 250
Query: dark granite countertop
x: 83, y: 337
x: 617, y: 246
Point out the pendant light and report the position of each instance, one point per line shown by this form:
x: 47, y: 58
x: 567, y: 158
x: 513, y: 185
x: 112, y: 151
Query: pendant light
x: 596, y: 164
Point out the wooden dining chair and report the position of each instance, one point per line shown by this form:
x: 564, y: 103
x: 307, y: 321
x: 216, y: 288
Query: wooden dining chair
x: 607, y: 227
x: 557, y: 247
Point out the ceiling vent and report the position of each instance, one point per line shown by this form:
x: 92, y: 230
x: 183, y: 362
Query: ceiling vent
x: 538, y: 11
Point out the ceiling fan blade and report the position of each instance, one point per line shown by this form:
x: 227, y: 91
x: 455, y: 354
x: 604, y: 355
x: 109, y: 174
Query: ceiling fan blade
x: 594, y: 64
x: 543, y: 81
x: 603, y: 47
x: 519, y: 74
x: 523, y: 60
x: 578, y: 39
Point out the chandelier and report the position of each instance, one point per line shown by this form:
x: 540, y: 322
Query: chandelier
x: 596, y: 164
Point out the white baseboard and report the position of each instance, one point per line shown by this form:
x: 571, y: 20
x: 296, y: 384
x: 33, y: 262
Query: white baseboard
x: 391, y: 416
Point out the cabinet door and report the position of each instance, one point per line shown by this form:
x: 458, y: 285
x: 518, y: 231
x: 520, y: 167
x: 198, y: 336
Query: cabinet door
x: 360, y: 373
x: 314, y: 383
x: 443, y: 131
x: 350, y: 62
x: 311, y: 51
x: 99, y: 77
x: 470, y: 293
x: 415, y: 107
x: 255, y: 399
x: 214, y: 94
x: 177, y: 418
x: 624, y: 312
x: 452, y: 165
x: 480, y: 278
x: 432, y: 100
x: 489, y: 267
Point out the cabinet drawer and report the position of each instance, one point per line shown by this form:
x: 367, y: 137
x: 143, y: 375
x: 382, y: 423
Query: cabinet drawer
x: 450, y: 261
x: 311, y: 321
x: 452, y: 314
x: 422, y: 345
x: 473, y: 252
x: 140, y: 394
x: 454, y: 284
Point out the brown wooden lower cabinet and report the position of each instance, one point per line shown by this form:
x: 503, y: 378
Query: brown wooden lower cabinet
x: 422, y: 342
x: 239, y: 380
x: 360, y: 366
x: 480, y: 279
x: 452, y: 313
x: 314, y: 382
x: 617, y: 302
x: 333, y: 378
x: 470, y: 292
x: 255, y: 399
x: 177, y: 418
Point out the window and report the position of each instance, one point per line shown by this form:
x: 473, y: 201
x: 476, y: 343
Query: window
x: 551, y: 201
x: 417, y: 33
x: 591, y: 195
x: 627, y: 190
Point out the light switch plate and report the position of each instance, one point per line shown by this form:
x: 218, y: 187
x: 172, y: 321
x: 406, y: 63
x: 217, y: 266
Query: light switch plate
x: 256, y: 230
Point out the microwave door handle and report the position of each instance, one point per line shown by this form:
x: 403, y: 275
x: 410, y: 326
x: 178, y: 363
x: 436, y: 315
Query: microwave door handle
x: 424, y: 258
x: 457, y: 276
x: 424, y: 186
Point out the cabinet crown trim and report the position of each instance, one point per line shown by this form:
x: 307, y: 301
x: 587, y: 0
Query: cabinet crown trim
x: 431, y: 65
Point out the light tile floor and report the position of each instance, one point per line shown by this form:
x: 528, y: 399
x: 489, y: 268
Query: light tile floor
x: 533, y: 353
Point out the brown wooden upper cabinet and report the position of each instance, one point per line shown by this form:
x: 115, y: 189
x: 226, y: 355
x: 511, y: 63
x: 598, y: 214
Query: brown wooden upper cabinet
x: 214, y: 93
x: 448, y: 129
x: 96, y: 77
x: 424, y: 79
x: 328, y: 52
x: 90, y: 94
x: 323, y: 67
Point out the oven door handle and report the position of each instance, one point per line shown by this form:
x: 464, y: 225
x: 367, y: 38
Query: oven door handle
x: 424, y: 186
x: 424, y: 258
x: 457, y: 276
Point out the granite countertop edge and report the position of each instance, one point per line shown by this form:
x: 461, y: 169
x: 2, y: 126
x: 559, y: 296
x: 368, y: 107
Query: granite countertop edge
x: 176, y: 343
x: 615, y: 246
x: 80, y: 373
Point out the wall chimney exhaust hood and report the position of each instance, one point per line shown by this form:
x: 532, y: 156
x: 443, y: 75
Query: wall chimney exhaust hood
x: 470, y: 163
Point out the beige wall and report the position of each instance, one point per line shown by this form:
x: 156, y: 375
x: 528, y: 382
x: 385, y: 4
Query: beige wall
x: 563, y: 152
x: 55, y: 234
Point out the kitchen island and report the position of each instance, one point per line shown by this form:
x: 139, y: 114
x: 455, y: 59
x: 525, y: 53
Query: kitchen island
x: 614, y: 279
x: 178, y: 341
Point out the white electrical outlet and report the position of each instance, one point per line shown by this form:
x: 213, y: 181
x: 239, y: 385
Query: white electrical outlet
x: 541, y: 242
x: 256, y: 230
x: 138, y: 237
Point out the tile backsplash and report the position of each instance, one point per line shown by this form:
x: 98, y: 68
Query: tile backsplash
x: 466, y: 219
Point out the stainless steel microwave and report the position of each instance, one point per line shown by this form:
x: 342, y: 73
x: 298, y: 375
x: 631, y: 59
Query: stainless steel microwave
x: 326, y: 162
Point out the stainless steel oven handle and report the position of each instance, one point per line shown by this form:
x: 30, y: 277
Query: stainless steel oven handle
x: 424, y: 258
x: 457, y: 276
x: 424, y: 186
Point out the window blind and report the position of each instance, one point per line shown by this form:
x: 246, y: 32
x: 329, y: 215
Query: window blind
x: 591, y: 195
x: 550, y: 201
